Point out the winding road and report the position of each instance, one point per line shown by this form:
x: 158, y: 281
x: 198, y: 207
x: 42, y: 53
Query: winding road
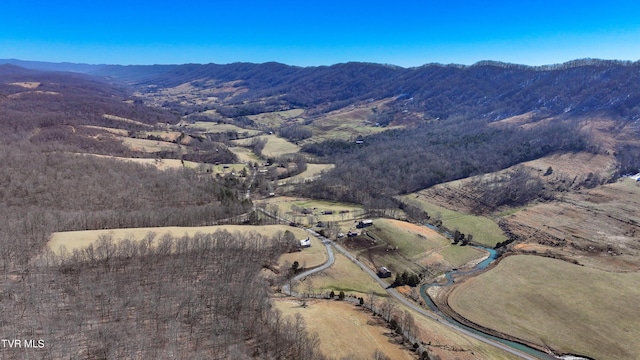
x: 330, y: 245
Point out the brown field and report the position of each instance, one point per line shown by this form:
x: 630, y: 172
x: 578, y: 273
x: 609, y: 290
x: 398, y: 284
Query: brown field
x: 285, y: 205
x: 402, y: 246
x: 145, y: 145
x: 122, y: 119
x: 120, y: 132
x: 345, y: 276
x: 573, y: 309
x: 598, y: 227
x: 313, y: 171
x: 340, y: 325
x: 574, y: 165
x: 80, y: 239
x: 27, y: 84
x: 274, y: 147
x: 344, y: 329
x: 308, y: 257
x: 161, y: 164
x: 275, y: 119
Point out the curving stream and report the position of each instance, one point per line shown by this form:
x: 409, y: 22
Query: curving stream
x: 493, y: 255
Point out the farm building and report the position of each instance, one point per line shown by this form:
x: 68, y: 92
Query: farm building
x: 383, y: 272
x: 636, y: 177
x: 305, y: 243
x: 364, y: 223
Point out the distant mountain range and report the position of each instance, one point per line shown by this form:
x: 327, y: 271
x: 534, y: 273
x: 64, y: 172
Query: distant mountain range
x: 488, y: 89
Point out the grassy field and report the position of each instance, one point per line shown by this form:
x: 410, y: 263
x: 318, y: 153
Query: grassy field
x: 343, y: 276
x: 120, y: 132
x: 277, y: 118
x: 403, y: 246
x: 285, y: 205
x: 122, y: 119
x: 145, y: 145
x: 244, y: 155
x: 308, y: 257
x: 411, y: 240
x: 459, y: 255
x: 161, y: 164
x: 348, y: 123
x: 313, y: 171
x: 213, y: 127
x: 571, y: 308
x: 340, y: 325
x: 274, y: 147
x: 80, y: 239
x: 484, y: 230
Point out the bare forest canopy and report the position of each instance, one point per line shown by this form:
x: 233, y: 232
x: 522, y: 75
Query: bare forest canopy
x: 163, y: 297
x: 489, y: 90
x: 403, y: 161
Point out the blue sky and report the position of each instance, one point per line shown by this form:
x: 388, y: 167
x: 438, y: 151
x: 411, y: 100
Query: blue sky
x: 405, y: 33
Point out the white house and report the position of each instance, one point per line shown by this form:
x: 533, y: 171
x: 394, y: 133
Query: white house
x: 305, y: 243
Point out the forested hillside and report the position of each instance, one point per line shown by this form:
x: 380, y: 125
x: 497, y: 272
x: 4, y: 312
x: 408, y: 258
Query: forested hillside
x: 490, y: 90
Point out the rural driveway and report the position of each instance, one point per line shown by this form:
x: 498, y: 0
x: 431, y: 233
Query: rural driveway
x: 329, y: 244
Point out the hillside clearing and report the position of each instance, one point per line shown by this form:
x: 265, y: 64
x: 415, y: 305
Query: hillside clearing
x: 340, y: 325
x: 80, y: 239
x: 484, y: 230
x: 274, y: 147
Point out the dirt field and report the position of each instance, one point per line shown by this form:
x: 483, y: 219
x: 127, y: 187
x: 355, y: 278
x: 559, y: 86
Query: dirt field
x: 80, y: 239
x: 573, y: 309
x: 344, y: 329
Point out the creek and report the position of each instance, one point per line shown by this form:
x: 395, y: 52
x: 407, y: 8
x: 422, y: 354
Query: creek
x: 493, y: 255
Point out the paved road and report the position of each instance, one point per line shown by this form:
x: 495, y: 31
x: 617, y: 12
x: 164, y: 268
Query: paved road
x: 326, y: 265
x: 329, y: 244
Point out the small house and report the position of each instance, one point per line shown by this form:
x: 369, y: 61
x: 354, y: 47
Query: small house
x: 305, y: 243
x: 364, y: 223
x: 383, y: 272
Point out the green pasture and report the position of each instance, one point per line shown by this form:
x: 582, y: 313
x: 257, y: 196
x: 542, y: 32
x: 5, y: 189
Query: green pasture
x: 484, y: 230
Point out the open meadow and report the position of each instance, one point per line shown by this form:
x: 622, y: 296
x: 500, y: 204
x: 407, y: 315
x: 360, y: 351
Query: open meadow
x: 276, y: 118
x: 345, y: 276
x: 572, y: 309
x: 275, y: 146
x: 341, y: 325
x: 212, y: 127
